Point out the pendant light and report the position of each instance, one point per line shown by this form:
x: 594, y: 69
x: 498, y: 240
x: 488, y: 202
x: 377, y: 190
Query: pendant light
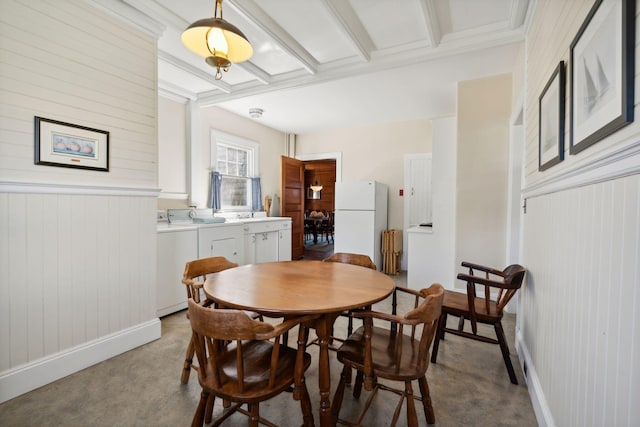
x: 316, y: 186
x: 218, y: 41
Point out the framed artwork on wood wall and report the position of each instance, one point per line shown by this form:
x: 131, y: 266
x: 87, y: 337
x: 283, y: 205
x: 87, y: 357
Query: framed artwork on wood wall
x: 551, y: 120
x: 70, y: 146
x: 602, y: 73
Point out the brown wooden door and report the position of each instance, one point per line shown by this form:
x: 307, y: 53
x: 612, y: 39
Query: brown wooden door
x: 292, y: 201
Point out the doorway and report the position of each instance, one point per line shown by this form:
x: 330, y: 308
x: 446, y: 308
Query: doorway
x: 321, y: 170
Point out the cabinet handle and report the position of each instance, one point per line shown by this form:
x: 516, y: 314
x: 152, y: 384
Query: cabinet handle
x: 264, y: 236
x: 254, y: 238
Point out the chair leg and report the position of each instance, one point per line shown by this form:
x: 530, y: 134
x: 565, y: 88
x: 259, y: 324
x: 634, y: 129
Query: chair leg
x: 208, y: 415
x: 305, y: 404
x: 502, y: 340
x: 339, y: 394
x: 254, y: 415
x: 188, y: 360
x: 198, y: 418
x: 357, y: 385
x: 444, y: 325
x: 426, y: 400
x: 412, y: 417
x: 438, y: 336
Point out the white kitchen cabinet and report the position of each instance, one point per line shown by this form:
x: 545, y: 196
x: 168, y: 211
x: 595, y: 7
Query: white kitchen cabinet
x: 243, y: 242
x: 284, y: 244
x: 175, y: 248
x: 267, y: 241
x: 261, y: 247
x: 225, y: 240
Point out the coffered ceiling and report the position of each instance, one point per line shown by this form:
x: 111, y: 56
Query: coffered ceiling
x: 325, y: 64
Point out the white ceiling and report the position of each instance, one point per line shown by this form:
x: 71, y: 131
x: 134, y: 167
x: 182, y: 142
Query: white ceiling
x: 325, y: 64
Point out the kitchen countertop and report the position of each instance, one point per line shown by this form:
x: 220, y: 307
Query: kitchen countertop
x: 164, y: 227
x: 418, y: 229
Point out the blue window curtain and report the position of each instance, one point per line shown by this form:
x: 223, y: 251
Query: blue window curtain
x: 256, y: 194
x: 214, y: 190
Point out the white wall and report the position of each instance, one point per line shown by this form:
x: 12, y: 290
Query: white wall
x: 579, y: 334
x: 172, y: 147
x: 374, y: 153
x: 77, y: 247
x: 431, y: 252
x: 484, y: 111
x: 271, y: 145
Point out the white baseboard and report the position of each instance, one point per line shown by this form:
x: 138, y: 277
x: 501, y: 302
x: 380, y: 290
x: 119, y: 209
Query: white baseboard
x: 30, y: 376
x: 540, y: 407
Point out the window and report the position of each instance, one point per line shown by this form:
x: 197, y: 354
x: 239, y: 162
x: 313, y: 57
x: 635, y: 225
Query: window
x: 236, y: 160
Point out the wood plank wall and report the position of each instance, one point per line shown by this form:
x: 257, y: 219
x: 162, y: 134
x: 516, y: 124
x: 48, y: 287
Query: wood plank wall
x: 324, y: 172
x: 77, y: 247
x: 581, y: 305
x: 580, y: 308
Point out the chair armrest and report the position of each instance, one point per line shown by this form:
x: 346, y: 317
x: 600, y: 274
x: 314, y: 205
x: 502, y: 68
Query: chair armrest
x: 283, y: 327
x: 482, y: 281
x: 409, y: 291
x: 482, y: 268
x: 383, y: 316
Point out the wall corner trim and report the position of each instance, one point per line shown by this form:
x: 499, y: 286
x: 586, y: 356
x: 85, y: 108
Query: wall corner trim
x: 47, y: 188
x: 612, y: 164
x: 538, y: 399
x: 30, y: 376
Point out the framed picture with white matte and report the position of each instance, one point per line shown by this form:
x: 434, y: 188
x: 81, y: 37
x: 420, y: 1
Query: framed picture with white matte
x: 602, y: 73
x: 551, y: 104
x: 71, y: 146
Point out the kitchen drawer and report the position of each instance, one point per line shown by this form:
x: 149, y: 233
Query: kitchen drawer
x: 265, y: 226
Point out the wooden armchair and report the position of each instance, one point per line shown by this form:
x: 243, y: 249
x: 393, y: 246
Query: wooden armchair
x: 255, y: 367
x: 195, y: 273
x: 377, y: 352
x: 353, y: 259
x: 481, y: 309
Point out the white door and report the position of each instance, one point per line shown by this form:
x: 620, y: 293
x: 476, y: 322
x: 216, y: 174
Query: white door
x: 417, y: 189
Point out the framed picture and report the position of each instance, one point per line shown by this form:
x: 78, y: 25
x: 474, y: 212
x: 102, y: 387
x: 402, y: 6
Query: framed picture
x: 551, y: 120
x: 70, y: 146
x: 602, y: 73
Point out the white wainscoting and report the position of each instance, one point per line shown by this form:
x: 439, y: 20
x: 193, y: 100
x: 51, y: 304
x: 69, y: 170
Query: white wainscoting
x: 580, y: 333
x: 77, y: 279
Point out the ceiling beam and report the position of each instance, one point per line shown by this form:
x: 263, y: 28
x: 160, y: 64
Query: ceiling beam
x: 381, y: 61
x: 518, y: 13
x: 185, y: 66
x: 351, y: 26
x: 431, y: 22
x: 131, y: 15
x: 260, y: 19
x: 159, y: 12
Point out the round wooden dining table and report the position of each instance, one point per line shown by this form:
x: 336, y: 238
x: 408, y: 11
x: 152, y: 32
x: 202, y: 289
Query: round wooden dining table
x: 291, y: 288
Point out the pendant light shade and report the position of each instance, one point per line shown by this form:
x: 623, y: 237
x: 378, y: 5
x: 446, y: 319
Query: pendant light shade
x: 218, y: 41
x: 316, y: 186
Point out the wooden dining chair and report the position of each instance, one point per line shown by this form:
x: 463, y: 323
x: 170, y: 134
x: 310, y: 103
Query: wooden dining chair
x: 327, y: 226
x: 255, y: 367
x: 195, y: 273
x: 388, y: 353
x: 353, y: 259
x: 486, y: 309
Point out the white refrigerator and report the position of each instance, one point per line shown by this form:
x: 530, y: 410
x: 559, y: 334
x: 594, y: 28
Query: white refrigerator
x: 360, y: 218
